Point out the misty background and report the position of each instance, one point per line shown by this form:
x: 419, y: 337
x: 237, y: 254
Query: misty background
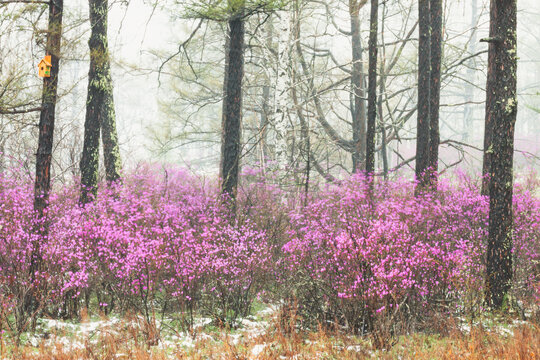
x: 168, y: 111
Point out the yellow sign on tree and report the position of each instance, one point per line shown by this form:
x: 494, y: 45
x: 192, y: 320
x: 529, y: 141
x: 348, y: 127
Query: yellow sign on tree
x: 45, y: 66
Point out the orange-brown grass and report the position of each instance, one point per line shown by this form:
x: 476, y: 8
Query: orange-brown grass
x: 480, y: 344
x: 284, y: 340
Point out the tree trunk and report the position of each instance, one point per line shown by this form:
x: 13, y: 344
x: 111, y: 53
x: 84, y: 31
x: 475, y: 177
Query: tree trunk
x: 468, y: 113
x: 263, y: 126
x: 48, y: 105
x: 227, y: 47
x: 90, y: 155
x: 99, y: 107
x: 501, y: 111
x: 357, y: 81
x: 46, y: 131
x: 109, y: 137
x: 424, y: 90
x: 435, y: 88
x: 232, y: 109
x: 382, y: 79
x: 491, y: 98
x: 107, y: 116
x: 265, y: 114
x: 372, y: 89
x: 2, y: 161
x: 281, y: 93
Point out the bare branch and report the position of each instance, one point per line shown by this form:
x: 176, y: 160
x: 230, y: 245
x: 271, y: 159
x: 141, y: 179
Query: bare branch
x: 22, y: 111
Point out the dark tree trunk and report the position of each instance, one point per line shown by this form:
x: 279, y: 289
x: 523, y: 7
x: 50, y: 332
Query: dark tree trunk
x: 501, y: 110
x: 491, y: 98
x: 48, y: 105
x: 384, y: 152
x: 488, y: 137
x: 109, y: 137
x: 435, y: 90
x: 46, y: 132
x: 99, y: 107
x: 89, y: 164
x: 357, y: 81
x: 232, y: 109
x: 227, y: 48
x: 384, y: 141
x: 107, y: 116
x: 2, y: 165
x: 382, y: 80
x: 424, y: 90
x: 372, y: 89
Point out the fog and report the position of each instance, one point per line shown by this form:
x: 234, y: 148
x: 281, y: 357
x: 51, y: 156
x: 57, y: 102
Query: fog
x: 151, y: 115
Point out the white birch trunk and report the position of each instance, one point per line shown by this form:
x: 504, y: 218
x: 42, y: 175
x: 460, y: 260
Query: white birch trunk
x: 281, y: 99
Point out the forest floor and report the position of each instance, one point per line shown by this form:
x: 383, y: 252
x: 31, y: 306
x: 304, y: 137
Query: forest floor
x: 265, y: 336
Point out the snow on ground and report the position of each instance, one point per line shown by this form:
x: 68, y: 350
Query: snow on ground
x: 501, y: 327
x: 73, y: 336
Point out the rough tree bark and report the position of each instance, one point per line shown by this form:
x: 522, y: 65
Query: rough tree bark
x: 490, y: 99
x: 109, y: 135
x: 435, y: 88
x: 232, y: 109
x: 100, y: 113
x: 501, y: 112
x: 424, y: 91
x: 45, y: 141
x: 382, y: 79
x: 48, y: 106
x: 358, y: 109
x: 372, y: 89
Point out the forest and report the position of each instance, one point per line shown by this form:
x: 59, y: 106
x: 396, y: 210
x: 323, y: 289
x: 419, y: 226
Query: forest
x: 269, y: 179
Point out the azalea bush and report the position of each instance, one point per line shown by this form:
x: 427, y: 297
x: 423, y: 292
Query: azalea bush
x: 166, y: 242
x: 526, y: 236
x: 24, y: 287
x: 362, y: 257
x: 150, y: 241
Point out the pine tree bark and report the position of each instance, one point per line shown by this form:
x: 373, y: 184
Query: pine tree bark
x: 100, y: 115
x: 45, y: 141
x: 109, y: 138
x: 435, y: 88
x: 372, y: 89
x: 424, y: 94
x: 382, y: 80
x: 501, y: 112
x: 232, y: 109
x: 491, y: 98
x: 48, y: 106
x: 107, y: 115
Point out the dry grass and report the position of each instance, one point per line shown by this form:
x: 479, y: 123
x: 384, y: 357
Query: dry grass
x: 282, y: 340
x: 523, y: 343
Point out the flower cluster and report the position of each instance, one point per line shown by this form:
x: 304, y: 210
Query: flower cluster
x: 345, y: 252
x: 361, y: 252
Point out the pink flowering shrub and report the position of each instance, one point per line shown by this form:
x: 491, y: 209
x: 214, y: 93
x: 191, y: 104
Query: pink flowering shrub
x: 526, y: 238
x: 148, y: 241
x: 354, y: 260
x: 163, y: 241
x: 23, y: 287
